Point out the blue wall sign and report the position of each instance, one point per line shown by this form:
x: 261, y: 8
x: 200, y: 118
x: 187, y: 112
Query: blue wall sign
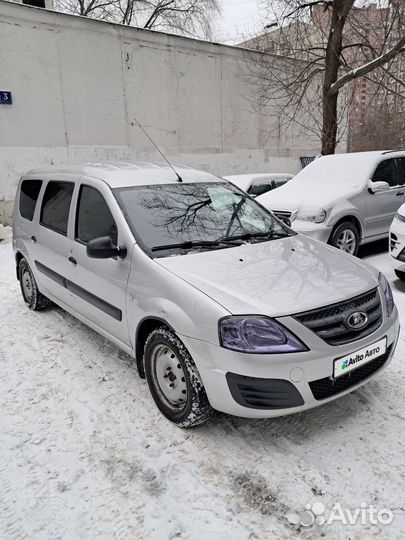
x: 5, y: 97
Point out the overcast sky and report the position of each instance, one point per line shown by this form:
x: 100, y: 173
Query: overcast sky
x: 240, y: 20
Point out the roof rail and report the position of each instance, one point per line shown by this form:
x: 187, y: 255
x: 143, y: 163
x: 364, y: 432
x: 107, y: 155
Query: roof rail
x: 391, y: 151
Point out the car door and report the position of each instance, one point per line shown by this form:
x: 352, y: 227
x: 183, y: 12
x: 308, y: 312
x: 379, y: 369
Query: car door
x: 99, y: 286
x: 381, y: 206
x: 49, y: 243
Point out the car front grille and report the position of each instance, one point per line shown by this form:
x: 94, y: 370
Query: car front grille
x: 329, y: 322
x: 327, y: 387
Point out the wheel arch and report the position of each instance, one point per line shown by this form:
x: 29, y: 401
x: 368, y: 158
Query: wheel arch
x: 18, y: 257
x: 352, y: 219
x: 144, y: 328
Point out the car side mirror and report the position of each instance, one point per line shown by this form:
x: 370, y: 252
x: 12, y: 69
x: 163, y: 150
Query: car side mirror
x: 377, y: 187
x: 103, y: 248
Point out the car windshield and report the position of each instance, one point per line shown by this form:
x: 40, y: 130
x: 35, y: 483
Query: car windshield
x: 168, y: 219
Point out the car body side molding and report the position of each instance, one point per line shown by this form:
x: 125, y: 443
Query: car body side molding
x: 92, y: 299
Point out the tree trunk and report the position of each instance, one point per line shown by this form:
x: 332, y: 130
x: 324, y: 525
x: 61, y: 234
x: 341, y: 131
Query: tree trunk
x: 329, y: 123
x: 340, y: 11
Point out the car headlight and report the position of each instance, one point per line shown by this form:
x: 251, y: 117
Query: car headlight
x: 315, y: 216
x: 400, y: 217
x: 386, y: 288
x: 258, y: 335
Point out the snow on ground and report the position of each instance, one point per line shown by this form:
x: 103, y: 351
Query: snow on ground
x: 85, y: 455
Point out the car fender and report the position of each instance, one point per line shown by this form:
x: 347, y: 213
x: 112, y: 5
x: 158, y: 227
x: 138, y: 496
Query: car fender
x: 345, y: 209
x: 154, y: 292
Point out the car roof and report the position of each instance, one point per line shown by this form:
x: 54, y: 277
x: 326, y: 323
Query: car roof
x: 244, y: 181
x: 258, y: 176
x: 376, y: 154
x: 127, y: 173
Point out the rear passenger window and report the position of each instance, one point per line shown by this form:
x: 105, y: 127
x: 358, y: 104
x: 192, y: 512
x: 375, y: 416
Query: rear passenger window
x: 259, y: 189
x: 94, y: 218
x: 280, y: 183
x: 56, y: 205
x: 28, y: 197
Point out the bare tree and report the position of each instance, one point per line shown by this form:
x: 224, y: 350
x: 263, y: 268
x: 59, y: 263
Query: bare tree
x: 188, y: 17
x: 330, y: 45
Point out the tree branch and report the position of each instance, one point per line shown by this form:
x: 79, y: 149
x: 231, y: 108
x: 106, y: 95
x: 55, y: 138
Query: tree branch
x: 367, y: 68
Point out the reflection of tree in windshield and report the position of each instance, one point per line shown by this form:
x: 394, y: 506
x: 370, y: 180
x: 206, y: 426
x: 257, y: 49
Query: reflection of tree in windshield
x: 201, y: 213
x: 198, y: 212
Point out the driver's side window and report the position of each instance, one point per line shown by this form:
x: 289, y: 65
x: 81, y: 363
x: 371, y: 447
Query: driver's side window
x: 93, y: 217
x: 386, y: 172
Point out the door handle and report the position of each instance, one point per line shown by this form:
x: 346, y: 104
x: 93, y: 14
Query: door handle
x: 400, y: 193
x: 33, y: 239
x: 72, y: 260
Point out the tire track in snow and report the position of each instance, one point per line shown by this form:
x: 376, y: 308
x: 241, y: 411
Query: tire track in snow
x: 10, y: 517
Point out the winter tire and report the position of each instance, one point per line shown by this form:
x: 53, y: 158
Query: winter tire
x: 346, y: 238
x: 29, y: 288
x: 174, y: 381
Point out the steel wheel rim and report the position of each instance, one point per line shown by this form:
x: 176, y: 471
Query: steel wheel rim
x: 347, y: 241
x: 169, y: 378
x: 26, y: 282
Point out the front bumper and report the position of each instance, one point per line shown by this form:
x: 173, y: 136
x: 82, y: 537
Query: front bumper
x: 296, y: 382
x: 317, y: 231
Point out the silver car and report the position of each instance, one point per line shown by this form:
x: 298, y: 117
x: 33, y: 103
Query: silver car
x: 257, y: 184
x: 345, y: 200
x: 223, y: 306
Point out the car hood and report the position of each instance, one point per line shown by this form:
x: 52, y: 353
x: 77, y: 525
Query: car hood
x: 298, y: 194
x: 275, y: 278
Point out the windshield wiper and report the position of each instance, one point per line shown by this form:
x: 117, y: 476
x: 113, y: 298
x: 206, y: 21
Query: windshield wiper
x: 190, y: 244
x: 249, y: 235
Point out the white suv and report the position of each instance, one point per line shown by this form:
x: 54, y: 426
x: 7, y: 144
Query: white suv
x: 344, y: 199
x: 223, y: 306
x: 397, y: 243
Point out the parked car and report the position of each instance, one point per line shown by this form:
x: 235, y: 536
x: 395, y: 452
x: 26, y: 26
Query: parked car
x: 257, y: 184
x: 223, y: 306
x: 345, y: 200
x: 397, y: 242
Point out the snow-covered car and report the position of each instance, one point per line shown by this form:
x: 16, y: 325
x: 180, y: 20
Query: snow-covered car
x: 223, y: 306
x: 397, y: 242
x: 345, y: 199
x: 257, y: 184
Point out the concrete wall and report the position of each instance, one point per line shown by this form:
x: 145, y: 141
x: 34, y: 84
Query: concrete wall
x: 79, y: 84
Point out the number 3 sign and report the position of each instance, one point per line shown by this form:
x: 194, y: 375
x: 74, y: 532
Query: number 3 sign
x: 5, y: 97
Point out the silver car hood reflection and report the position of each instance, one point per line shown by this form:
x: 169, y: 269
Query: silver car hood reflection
x: 275, y: 278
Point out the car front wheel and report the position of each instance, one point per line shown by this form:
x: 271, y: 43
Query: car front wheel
x: 173, y: 379
x: 346, y: 238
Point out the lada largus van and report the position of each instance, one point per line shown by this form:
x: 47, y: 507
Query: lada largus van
x: 223, y: 306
